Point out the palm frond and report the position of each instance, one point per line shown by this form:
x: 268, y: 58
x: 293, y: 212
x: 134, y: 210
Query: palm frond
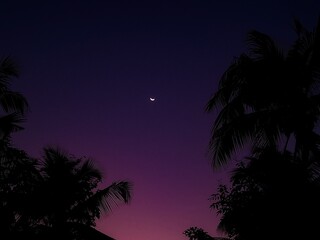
x: 315, y: 35
x: 10, y: 123
x: 307, y: 46
x: 57, y: 162
x: 117, y: 192
x: 298, y: 27
x: 231, y: 137
x: 8, y: 69
x: 88, y: 173
x: 262, y: 47
x: 232, y: 133
x: 105, y: 199
x: 231, y: 82
x: 13, y: 101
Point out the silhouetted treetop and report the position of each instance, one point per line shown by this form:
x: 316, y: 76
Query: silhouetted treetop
x: 269, y: 98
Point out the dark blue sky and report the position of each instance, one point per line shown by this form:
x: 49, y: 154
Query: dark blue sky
x: 88, y: 69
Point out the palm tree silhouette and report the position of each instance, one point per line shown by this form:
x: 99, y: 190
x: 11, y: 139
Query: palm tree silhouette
x: 269, y: 98
x: 13, y: 104
x: 68, y: 198
x: 58, y: 196
x: 272, y: 101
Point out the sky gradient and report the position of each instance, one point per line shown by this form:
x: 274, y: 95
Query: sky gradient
x: 88, y: 69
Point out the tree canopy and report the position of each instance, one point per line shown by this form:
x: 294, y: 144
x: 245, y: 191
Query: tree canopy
x: 271, y: 100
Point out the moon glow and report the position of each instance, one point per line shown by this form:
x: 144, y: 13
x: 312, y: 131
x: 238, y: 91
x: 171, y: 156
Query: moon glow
x: 152, y: 99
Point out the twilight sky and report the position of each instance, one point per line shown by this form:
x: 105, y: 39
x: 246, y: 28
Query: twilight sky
x: 88, y: 69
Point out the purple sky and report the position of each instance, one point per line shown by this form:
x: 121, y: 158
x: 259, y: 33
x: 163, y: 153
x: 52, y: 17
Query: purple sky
x: 88, y: 69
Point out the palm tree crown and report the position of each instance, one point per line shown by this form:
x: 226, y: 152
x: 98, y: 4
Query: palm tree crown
x: 13, y: 104
x: 69, y: 191
x: 266, y: 96
x: 58, y: 196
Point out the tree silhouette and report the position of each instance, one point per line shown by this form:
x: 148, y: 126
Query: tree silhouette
x: 18, y: 179
x: 270, y: 100
x: 55, y: 197
x: 266, y: 97
x: 195, y: 233
x: 68, y: 197
x: 58, y: 196
x: 271, y: 194
x: 13, y: 104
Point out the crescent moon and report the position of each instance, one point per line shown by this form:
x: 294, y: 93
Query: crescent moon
x: 152, y: 99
